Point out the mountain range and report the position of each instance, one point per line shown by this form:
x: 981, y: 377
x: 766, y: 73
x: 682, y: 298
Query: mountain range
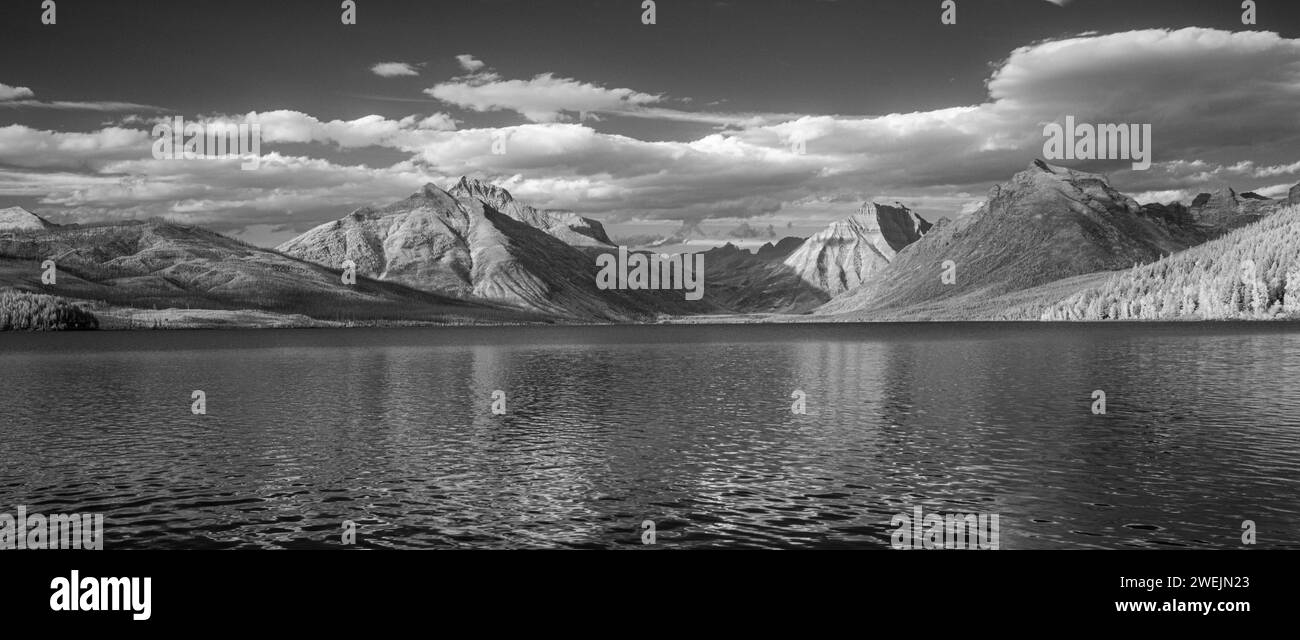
x: 475, y: 254
x: 1046, y: 224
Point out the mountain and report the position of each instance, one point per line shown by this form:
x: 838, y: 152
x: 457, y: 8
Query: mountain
x: 565, y: 225
x: 1293, y: 197
x: 140, y: 265
x: 740, y: 281
x: 1045, y: 224
x: 1251, y: 273
x: 1225, y: 209
x: 20, y: 219
x: 783, y: 247
x: 850, y: 252
x: 459, y: 243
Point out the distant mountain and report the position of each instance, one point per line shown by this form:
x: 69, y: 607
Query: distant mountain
x: 783, y: 247
x: 740, y: 281
x: 163, y: 265
x: 1045, y: 224
x: 852, y: 251
x: 1251, y: 273
x: 1225, y: 209
x: 20, y: 219
x: 459, y: 243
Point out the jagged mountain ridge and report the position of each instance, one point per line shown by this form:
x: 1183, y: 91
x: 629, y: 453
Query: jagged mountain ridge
x: 783, y: 247
x: 741, y: 281
x: 850, y: 252
x: 565, y: 225
x: 458, y: 243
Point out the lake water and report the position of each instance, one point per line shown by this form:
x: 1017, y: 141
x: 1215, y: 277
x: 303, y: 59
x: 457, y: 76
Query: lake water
x: 688, y: 426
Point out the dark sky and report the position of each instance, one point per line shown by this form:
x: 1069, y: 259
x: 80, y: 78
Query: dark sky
x: 679, y: 148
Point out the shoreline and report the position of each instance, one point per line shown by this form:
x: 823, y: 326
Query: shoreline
x: 139, y: 320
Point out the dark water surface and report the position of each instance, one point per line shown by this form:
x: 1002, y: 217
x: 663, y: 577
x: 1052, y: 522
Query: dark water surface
x: 688, y: 426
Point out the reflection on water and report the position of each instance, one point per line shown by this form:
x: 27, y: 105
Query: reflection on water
x: 688, y: 426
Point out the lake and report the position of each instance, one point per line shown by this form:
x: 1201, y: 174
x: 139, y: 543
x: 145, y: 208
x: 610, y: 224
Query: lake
x: 687, y: 426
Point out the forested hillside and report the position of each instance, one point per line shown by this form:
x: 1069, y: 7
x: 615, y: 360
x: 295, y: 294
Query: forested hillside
x: 1251, y: 273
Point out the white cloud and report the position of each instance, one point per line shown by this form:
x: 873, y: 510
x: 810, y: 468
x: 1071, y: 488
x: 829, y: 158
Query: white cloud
x: 67, y: 105
x: 547, y: 98
x: 544, y: 98
x: 23, y: 146
x: 22, y: 97
x: 288, y: 126
x: 1221, y: 106
x: 469, y: 62
x: 14, y: 93
x: 394, y: 69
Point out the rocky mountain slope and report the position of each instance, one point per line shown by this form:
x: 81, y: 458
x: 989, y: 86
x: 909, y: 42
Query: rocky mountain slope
x: 782, y: 248
x: 459, y: 243
x: 1224, y: 209
x: 850, y: 252
x: 1045, y: 224
x: 741, y: 281
x: 570, y: 227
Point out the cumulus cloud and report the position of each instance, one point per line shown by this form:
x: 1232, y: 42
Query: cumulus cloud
x: 288, y: 126
x: 1207, y: 94
x: 394, y: 69
x: 1216, y: 96
x: 22, y: 146
x: 1221, y: 106
x: 296, y: 191
x: 14, y: 93
x: 544, y: 98
x: 469, y: 62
